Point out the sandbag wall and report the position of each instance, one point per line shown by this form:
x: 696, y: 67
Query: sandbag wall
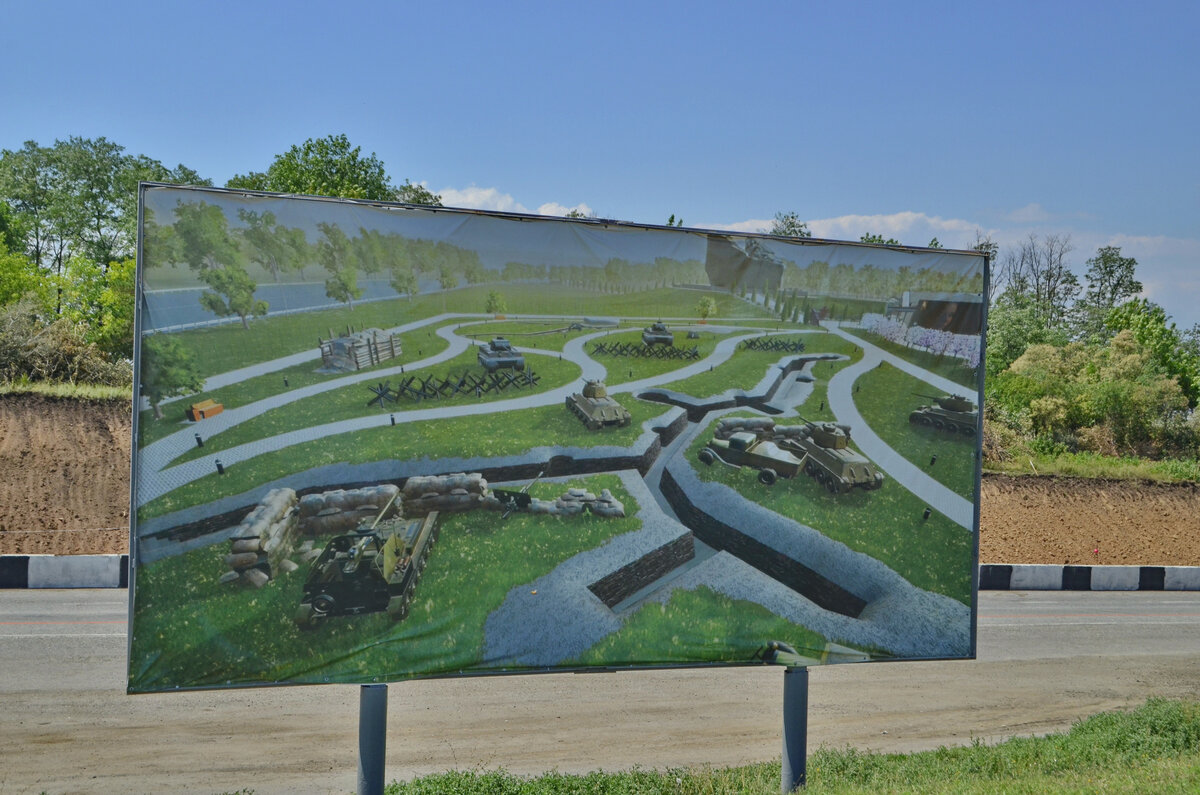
x: 341, y: 511
x: 261, y: 543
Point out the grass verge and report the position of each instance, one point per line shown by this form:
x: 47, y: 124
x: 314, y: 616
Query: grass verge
x: 1155, y: 748
x: 64, y: 390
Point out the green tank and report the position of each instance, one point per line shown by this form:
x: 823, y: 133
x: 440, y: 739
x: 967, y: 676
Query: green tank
x: 826, y: 456
x: 596, y: 409
x: 657, y: 334
x: 953, y: 414
x: 374, y: 569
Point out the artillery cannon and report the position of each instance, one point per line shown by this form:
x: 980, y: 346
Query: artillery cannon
x: 374, y: 569
x: 596, y: 409
x: 953, y: 414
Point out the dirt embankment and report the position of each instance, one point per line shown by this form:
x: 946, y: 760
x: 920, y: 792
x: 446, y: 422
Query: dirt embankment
x: 64, y: 489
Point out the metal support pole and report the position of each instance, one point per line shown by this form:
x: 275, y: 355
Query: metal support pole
x: 795, y: 728
x: 372, y: 738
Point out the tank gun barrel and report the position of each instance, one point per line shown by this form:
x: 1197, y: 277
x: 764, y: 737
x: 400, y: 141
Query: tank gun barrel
x: 385, y: 507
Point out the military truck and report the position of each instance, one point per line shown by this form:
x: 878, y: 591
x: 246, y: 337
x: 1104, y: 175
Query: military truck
x: 826, y: 457
x: 373, y: 569
x: 953, y: 414
x: 595, y: 409
x: 500, y: 355
x: 746, y: 449
x: 657, y: 334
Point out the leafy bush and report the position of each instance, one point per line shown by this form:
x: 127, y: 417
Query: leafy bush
x: 35, y: 350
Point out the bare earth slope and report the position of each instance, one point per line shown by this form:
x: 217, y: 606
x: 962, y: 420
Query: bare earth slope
x: 64, y: 489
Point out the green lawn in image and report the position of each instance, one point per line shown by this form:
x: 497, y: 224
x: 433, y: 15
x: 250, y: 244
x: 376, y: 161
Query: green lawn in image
x: 351, y: 401
x: 190, y: 630
x: 934, y: 554
x: 485, y: 435
x: 885, y: 396
x: 622, y: 369
x: 747, y: 367
x: 949, y: 367
x: 700, y: 625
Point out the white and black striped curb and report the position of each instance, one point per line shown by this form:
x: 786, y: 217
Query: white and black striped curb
x: 112, y: 571
x: 996, y: 577
x: 64, y: 571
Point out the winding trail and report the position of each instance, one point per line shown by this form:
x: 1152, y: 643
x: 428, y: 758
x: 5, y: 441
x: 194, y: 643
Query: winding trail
x: 158, y: 477
x: 841, y: 401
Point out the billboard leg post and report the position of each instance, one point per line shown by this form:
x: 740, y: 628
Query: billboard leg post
x: 795, y: 729
x: 372, y: 738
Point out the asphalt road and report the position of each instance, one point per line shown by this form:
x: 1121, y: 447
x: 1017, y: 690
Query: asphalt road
x: 1045, y: 660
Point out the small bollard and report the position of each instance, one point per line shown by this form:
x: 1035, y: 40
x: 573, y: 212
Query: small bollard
x: 926, y: 514
x: 393, y: 416
x: 220, y: 469
x: 933, y: 459
x: 199, y: 441
x: 285, y: 382
x: 822, y: 405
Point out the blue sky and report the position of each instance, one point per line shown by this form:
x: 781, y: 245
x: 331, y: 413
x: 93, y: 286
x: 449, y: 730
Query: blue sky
x: 910, y: 120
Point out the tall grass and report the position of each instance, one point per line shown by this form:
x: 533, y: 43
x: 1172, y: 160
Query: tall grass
x: 1155, y: 748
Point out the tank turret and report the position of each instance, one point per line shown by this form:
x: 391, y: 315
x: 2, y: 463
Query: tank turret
x: 595, y: 409
x: 826, y: 456
x: 500, y: 354
x: 657, y: 334
x: 953, y: 414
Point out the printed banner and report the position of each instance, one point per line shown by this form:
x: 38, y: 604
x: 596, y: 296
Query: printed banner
x: 379, y: 442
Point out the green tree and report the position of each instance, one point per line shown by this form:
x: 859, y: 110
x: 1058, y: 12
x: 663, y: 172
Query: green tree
x: 19, y: 277
x: 168, y: 370
x: 1166, y: 347
x: 871, y: 237
x: 336, y: 255
x: 275, y: 247
x: 1110, y: 283
x: 329, y: 166
x: 206, y: 245
x: 672, y: 221
x: 411, y: 193
x: 935, y: 243
x: 706, y: 306
x: 496, y: 305
x: 788, y: 224
x: 1037, y: 269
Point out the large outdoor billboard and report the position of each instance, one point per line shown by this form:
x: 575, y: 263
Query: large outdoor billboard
x: 378, y: 442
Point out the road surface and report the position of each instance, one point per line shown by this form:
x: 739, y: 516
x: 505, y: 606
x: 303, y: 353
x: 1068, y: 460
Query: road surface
x: 1045, y: 660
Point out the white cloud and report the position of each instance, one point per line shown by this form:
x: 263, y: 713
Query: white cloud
x: 915, y: 229
x: 554, y: 208
x: 477, y: 198
x: 1032, y: 213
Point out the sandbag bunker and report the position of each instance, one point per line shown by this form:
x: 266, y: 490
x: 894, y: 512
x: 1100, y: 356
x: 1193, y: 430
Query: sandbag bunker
x: 283, y: 526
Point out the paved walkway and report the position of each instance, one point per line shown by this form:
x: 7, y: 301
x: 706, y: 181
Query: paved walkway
x: 841, y: 402
x: 158, y: 477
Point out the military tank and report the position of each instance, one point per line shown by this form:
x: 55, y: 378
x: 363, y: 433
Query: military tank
x: 596, y: 409
x: 825, y: 455
x: 500, y: 355
x: 953, y: 414
x: 657, y: 334
x: 374, y: 569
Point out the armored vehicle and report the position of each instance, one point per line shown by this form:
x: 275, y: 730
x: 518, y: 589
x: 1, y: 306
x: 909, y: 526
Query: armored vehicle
x: 825, y: 455
x: 952, y: 414
x: 373, y: 569
x: 499, y: 354
x: 657, y: 334
x: 746, y: 449
x: 596, y: 409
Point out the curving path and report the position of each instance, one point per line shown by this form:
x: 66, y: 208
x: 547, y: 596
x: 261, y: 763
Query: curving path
x: 841, y: 401
x: 159, y: 477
